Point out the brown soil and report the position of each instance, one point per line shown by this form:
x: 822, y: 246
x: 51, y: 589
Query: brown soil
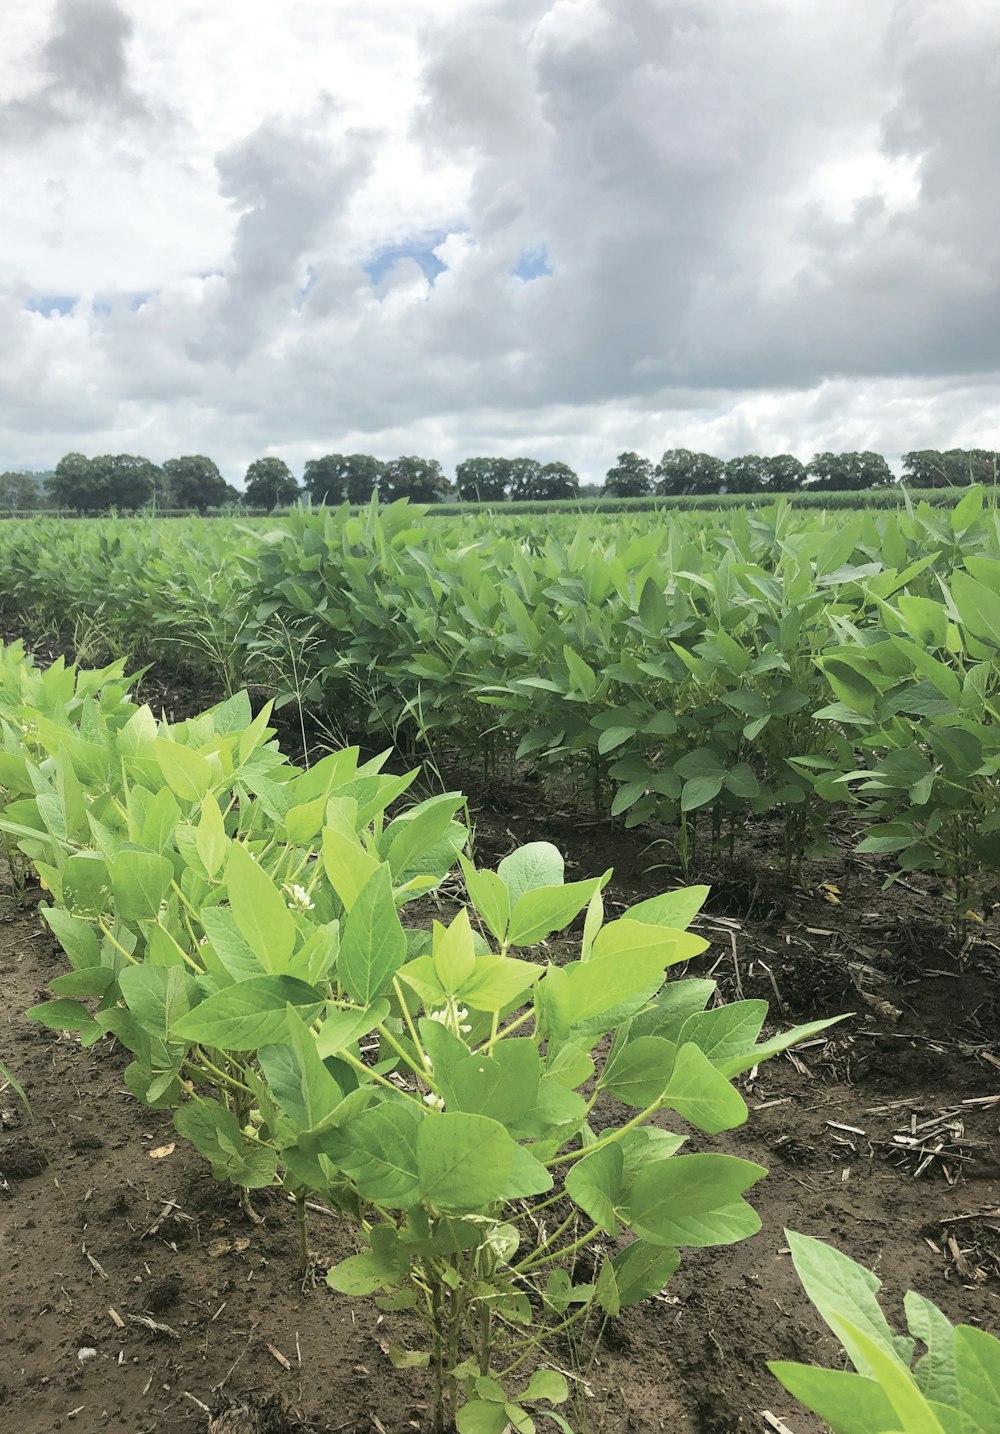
x: 100, y: 1229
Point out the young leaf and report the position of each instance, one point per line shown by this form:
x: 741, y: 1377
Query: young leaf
x: 140, y: 880
x: 912, y: 1409
x: 537, y: 864
x: 260, y: 910
x: 549, y: 908
x: 977, y: 1370
x: 638, y: 1072
x: 373, y: 945
x: 642, y: 1270
x: 488, y: 895
x: 686, y: 1185
x: 848, y: 1402
x: 595, y: 1184
x: 840, y: 1288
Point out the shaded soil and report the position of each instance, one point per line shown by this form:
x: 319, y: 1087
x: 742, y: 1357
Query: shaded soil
x: 884, y: 1138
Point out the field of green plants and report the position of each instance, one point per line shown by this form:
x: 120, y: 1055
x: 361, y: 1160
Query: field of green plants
x: 696, y: 670
x: 477, y: 1089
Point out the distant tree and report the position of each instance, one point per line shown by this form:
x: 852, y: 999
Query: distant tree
x: 421, y: 480
x: 339, y: 476
x: 193, y: 482
x: 17, y: 491
x: 631, y: 477
x: 953, y: 468
x: 558, y: 480
x: 746, y: 474
x: 76, y: 483
x: 847, y: 472
x: 680, y: 471
x: 127, y: 480
x: 783, y: 473
x: 269, y: 484
x: 525, y: 478
x: 483, y: 480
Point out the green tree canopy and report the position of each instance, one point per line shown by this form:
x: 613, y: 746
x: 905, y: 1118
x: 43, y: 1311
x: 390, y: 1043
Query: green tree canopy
x: 421, y: 480
x: 746, y: 474
x: 954, y: 467
x: 681, y: 471
x: 17, y: 491
x: 784, y: 473
x: 847, y: 472
x: 129, y: 481
x: 76, y: 483
x: 270, y: 484
x: 483, y: 480
x: 631, y: 477
x: 194, y: 482
x: 558, y: 480
x: 339, y: 476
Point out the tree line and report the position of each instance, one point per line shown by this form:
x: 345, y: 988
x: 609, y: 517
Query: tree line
x: 125, y: 481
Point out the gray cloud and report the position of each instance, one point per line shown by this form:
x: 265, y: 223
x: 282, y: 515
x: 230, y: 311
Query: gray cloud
x: 83, y: 73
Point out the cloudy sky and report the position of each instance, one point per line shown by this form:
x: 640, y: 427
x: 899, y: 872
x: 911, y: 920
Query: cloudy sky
x: 553, y: 227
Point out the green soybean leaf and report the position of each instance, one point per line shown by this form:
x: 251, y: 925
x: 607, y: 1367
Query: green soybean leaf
x: 464, y: 1161
x: 528, y: 1176
x: 701, y: 1094
x: 537, y: 864
x: 235, y: 957
x: 547, y: 1384
x: 249, y: 1014
x: 260, y: 909
x: 839, y: 1287
x: 977, y: 1371
x: 363, y: 1274
x: 214, y: 1132
x: 735, y: 1065
x: 66, y: 1015
x: 140, y: 880
x: 503, y: 1086
x: 158, y: 996
x: 699, y: 791
x: 849, y: 1403
x: 638, y: 1072
x: 76, y: 937
x: 300, y: 1082
x: 630, y: 939
x: 348, y: 866
x: 409, y: 837
x: 673, y: 908
x: 727, y: 1031
x: 898, y: 1384
x: 595, y: 1184
x: 642, y: 1270
x: 378, y: 1149
x: 481, y: 1416
x: 86, y: 884
x: 497, y: 982
x: 488, y: 895
x: 211, y: 839
x: 935, y: 1371
x: 666, y: 1193
x: 340, y: 1029
x: 549, y: 908
x: 186, y: 773
x: 373, y: 944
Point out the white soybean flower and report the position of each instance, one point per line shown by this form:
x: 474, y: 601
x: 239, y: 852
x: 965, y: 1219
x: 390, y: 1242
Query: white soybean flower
x: 299, y: 898
x: 434, y: 1101
x: 428, y: 1065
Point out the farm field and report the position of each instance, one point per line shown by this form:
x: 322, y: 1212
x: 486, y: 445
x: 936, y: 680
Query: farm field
x: 797, y: 710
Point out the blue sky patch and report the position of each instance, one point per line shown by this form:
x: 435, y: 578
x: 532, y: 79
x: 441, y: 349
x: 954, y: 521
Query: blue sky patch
x: 533, y: 263
x: 49, y: 304
x: 420, y: 248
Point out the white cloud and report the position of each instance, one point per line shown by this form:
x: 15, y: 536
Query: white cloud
x: 769, y: 227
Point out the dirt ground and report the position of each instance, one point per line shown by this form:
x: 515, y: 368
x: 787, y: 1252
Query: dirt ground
x: 137, y: 1297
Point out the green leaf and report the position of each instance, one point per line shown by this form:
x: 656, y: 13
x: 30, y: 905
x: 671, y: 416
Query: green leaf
x: 840, y: 1288
x: 978, y: 607
x: 497, y: 982
x: 638, y: 1072
x: 363, y: 1274
x: 348, y: 866
x: 935, y: 1371
x: 672, y: 908
x: 86, y: 884
x: 157, y: 996
x: 627, y: 940
x: 642, y: 1270
x: 373, y: 945
x: 379, y: 1151
x: 727, y: 1031
x: 260, y: 910
x: 464, y: 1161
x: 848, y: 1402
x: 699, y: 791
x: 140, y: 880
x: 735, y: 1065
x: 686, y: 1185
x: 582, y: 677
x: 701, y: 1094
x: 912, y: 1409
x: 412, y: 835
x: 65, y: 1016
x: 481, y: 1416
x: 186, y: 773
x: 547, y: 1384
x: 488, y: 895
x: 977, y: 1369
x: 613, y: 737
x: 249, y: 1014
x: 340, y: 1029
x: 214, y: 1132
x: 537, y: 864
x: 595, y: 1184
x: 549, y: 908
x: 503, y: 1086
x: 211, y: 839
x: 453, y: 952
x: 300, y: 1082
